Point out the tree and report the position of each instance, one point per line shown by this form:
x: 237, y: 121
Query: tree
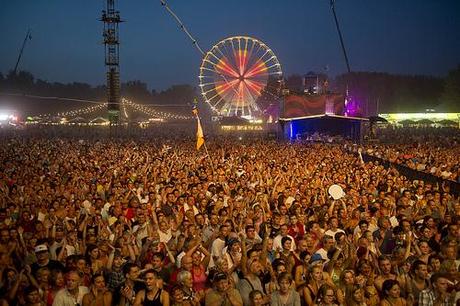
x: 294, y: 83
x: 23, y: 81
x: 136, y: 90
x: 177, y: 94
x: 391, y: 93
x: 451, y: 94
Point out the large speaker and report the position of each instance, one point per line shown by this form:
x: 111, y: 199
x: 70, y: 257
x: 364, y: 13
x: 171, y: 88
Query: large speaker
x: 113, y: 94
x: 113, y: 89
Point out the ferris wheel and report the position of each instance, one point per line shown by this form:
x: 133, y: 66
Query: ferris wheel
x: 238, y: 75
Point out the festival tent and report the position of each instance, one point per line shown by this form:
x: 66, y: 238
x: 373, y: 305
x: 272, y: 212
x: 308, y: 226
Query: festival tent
x: 377, y: 119
x: 446, y: 122
x: 424, y: 122
x: 407, y: 122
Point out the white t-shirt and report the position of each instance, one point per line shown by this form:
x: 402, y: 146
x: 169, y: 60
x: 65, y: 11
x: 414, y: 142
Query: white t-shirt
x: 217, y: 248
x: 141, y: 232
x: 165, y: 237
x: 195, y: 210
x: 277, y: 242
x: 64, y: 298
x: 179, y: 258
x: 332, y: 233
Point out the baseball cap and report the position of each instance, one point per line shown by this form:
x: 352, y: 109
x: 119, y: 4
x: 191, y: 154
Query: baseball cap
x: 219, y: 276
x: 41, y: 248
x: 316, y: 257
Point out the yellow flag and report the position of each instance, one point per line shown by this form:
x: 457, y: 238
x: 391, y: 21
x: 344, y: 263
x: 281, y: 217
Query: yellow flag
x: 199, y: 134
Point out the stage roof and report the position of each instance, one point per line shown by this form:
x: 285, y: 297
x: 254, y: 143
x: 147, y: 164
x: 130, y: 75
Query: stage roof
x: 324, y: 115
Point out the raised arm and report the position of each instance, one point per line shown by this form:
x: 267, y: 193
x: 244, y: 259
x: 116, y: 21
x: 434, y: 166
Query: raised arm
x: 244, y: 255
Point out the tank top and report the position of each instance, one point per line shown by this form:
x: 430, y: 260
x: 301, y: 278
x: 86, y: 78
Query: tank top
x: 156, y: 299
x: 312, y: 294
x: 199, y: 279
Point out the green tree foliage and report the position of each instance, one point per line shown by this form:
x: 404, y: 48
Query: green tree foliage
x: 391, y: 93
x: 451, y: 94
x: 137, y: 91
x: 294, y: 83
x: 22, y: 80
x: 176, y: 94
x: 387, y: 92
x: 24, y: 83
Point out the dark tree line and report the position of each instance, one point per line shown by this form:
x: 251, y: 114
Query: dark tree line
x: 24, y: 83
x: 176, y: 94
x: 382, y: 92
x: 388, y: 93
x: 451, y: 94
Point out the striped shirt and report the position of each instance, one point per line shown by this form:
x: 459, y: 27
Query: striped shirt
x: 427, y: 298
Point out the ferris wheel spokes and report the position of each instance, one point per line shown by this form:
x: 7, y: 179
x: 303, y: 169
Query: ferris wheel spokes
x: 235, y: 73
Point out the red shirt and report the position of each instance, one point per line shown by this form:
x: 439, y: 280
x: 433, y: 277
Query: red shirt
x: 297, y: 234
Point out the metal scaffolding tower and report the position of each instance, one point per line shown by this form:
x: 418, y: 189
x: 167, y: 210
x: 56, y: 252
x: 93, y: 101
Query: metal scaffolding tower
x: 111, y: 19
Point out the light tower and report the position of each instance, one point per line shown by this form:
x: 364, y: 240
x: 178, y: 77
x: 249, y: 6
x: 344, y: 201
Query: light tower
x: 111, y: 19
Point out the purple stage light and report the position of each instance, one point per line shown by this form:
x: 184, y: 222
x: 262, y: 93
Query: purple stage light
x: 352, y: 107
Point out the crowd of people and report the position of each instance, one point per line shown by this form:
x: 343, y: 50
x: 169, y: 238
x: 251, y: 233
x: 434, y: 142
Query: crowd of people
x: 156, y: 222
x: 443, y: 162
x: 431, y: 150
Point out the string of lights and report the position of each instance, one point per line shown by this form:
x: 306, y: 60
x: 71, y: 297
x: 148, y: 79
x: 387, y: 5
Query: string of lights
x: 76, y: 112
x: 123, y: 109
x: 49, y: 98
x: 147, y: 110
x: 126, y: 106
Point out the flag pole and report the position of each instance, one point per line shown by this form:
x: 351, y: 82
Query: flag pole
x: 210, y: 160
x: 200, y: 130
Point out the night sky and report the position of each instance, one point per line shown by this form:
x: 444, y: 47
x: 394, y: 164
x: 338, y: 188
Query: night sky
x: 396, y: 36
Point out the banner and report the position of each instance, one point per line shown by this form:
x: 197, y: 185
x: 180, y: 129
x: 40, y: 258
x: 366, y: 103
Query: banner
x: 310, y: 105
